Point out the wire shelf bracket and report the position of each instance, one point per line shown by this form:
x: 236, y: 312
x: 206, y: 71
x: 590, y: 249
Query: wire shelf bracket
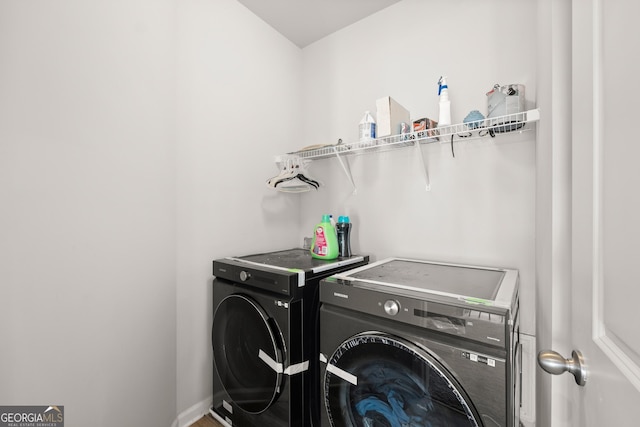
x: 346, y: 167
x: 424, y: 166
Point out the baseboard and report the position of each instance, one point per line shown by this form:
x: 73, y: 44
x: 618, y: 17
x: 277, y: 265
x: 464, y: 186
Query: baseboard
x: 193, y: 413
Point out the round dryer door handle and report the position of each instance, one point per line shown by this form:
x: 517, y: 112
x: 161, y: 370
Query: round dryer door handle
x: 553, y: 363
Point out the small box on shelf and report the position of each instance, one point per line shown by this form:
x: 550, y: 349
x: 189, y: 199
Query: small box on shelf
x: 426, y: 127
x: 390, y: 116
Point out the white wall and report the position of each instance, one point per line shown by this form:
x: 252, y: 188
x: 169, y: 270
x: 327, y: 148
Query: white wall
x: 481, y: 208
x: 87, y: 181
x: 239, y: 101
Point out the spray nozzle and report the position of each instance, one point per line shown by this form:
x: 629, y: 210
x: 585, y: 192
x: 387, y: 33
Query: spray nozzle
x: 442, y: 84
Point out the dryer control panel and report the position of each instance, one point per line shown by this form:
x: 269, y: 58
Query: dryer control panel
x: 281, y: 282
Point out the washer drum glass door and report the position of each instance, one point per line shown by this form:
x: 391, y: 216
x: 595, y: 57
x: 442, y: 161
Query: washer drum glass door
x: 247, y: 352
x: 375, y: 379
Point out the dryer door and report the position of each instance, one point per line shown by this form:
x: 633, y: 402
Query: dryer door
x: 247, y: 352
x: 375, y: 380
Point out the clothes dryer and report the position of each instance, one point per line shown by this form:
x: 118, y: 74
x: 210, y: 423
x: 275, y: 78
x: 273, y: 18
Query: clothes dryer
x: 417, y: 343
x: 265, y: 335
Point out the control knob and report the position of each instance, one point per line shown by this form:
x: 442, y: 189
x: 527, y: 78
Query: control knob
x: 391, y: 307
x: 244, y: 276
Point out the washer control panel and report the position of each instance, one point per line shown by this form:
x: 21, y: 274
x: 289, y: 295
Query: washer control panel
x: 484, y: 323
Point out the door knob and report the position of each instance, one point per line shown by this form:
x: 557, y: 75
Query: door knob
x: 553, y: 363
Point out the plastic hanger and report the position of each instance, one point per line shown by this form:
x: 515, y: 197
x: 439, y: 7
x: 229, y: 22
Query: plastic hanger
x: 293, y: 177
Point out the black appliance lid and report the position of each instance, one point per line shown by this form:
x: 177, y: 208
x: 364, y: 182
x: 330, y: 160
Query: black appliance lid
x: 481, y: 285
x: 295, y: 260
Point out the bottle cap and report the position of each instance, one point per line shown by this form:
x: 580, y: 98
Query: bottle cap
x: 326, y: 218
x: 343, y: 219
x: 442, y: 84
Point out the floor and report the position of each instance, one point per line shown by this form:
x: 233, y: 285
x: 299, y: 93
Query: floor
x: 206, y: 421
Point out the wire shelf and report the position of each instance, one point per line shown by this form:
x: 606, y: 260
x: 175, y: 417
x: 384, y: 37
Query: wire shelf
x: 489, y: 127
x: 461, y: 132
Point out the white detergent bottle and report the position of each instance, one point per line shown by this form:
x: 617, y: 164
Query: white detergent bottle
x: 444, y: 119
x: 367, y: 127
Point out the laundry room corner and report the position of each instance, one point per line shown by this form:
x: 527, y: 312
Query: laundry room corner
x: 237, y: 105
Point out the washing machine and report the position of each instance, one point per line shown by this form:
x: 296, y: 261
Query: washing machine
x: 265, y: 337
x: 407, y: 342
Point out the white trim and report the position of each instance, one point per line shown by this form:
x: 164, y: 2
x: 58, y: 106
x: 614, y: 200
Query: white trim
x: 619, y: 358
x: 528, y: 403
x: 192, y: 414
x: 600, y: 335
x: 597, y: 291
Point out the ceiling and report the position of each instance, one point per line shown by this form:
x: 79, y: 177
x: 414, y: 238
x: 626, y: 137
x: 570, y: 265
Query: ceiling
x: 306, y: 21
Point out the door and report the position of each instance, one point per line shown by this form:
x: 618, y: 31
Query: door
x: 247, y: 352
x: 606, y: 210
x: 375, y: 379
